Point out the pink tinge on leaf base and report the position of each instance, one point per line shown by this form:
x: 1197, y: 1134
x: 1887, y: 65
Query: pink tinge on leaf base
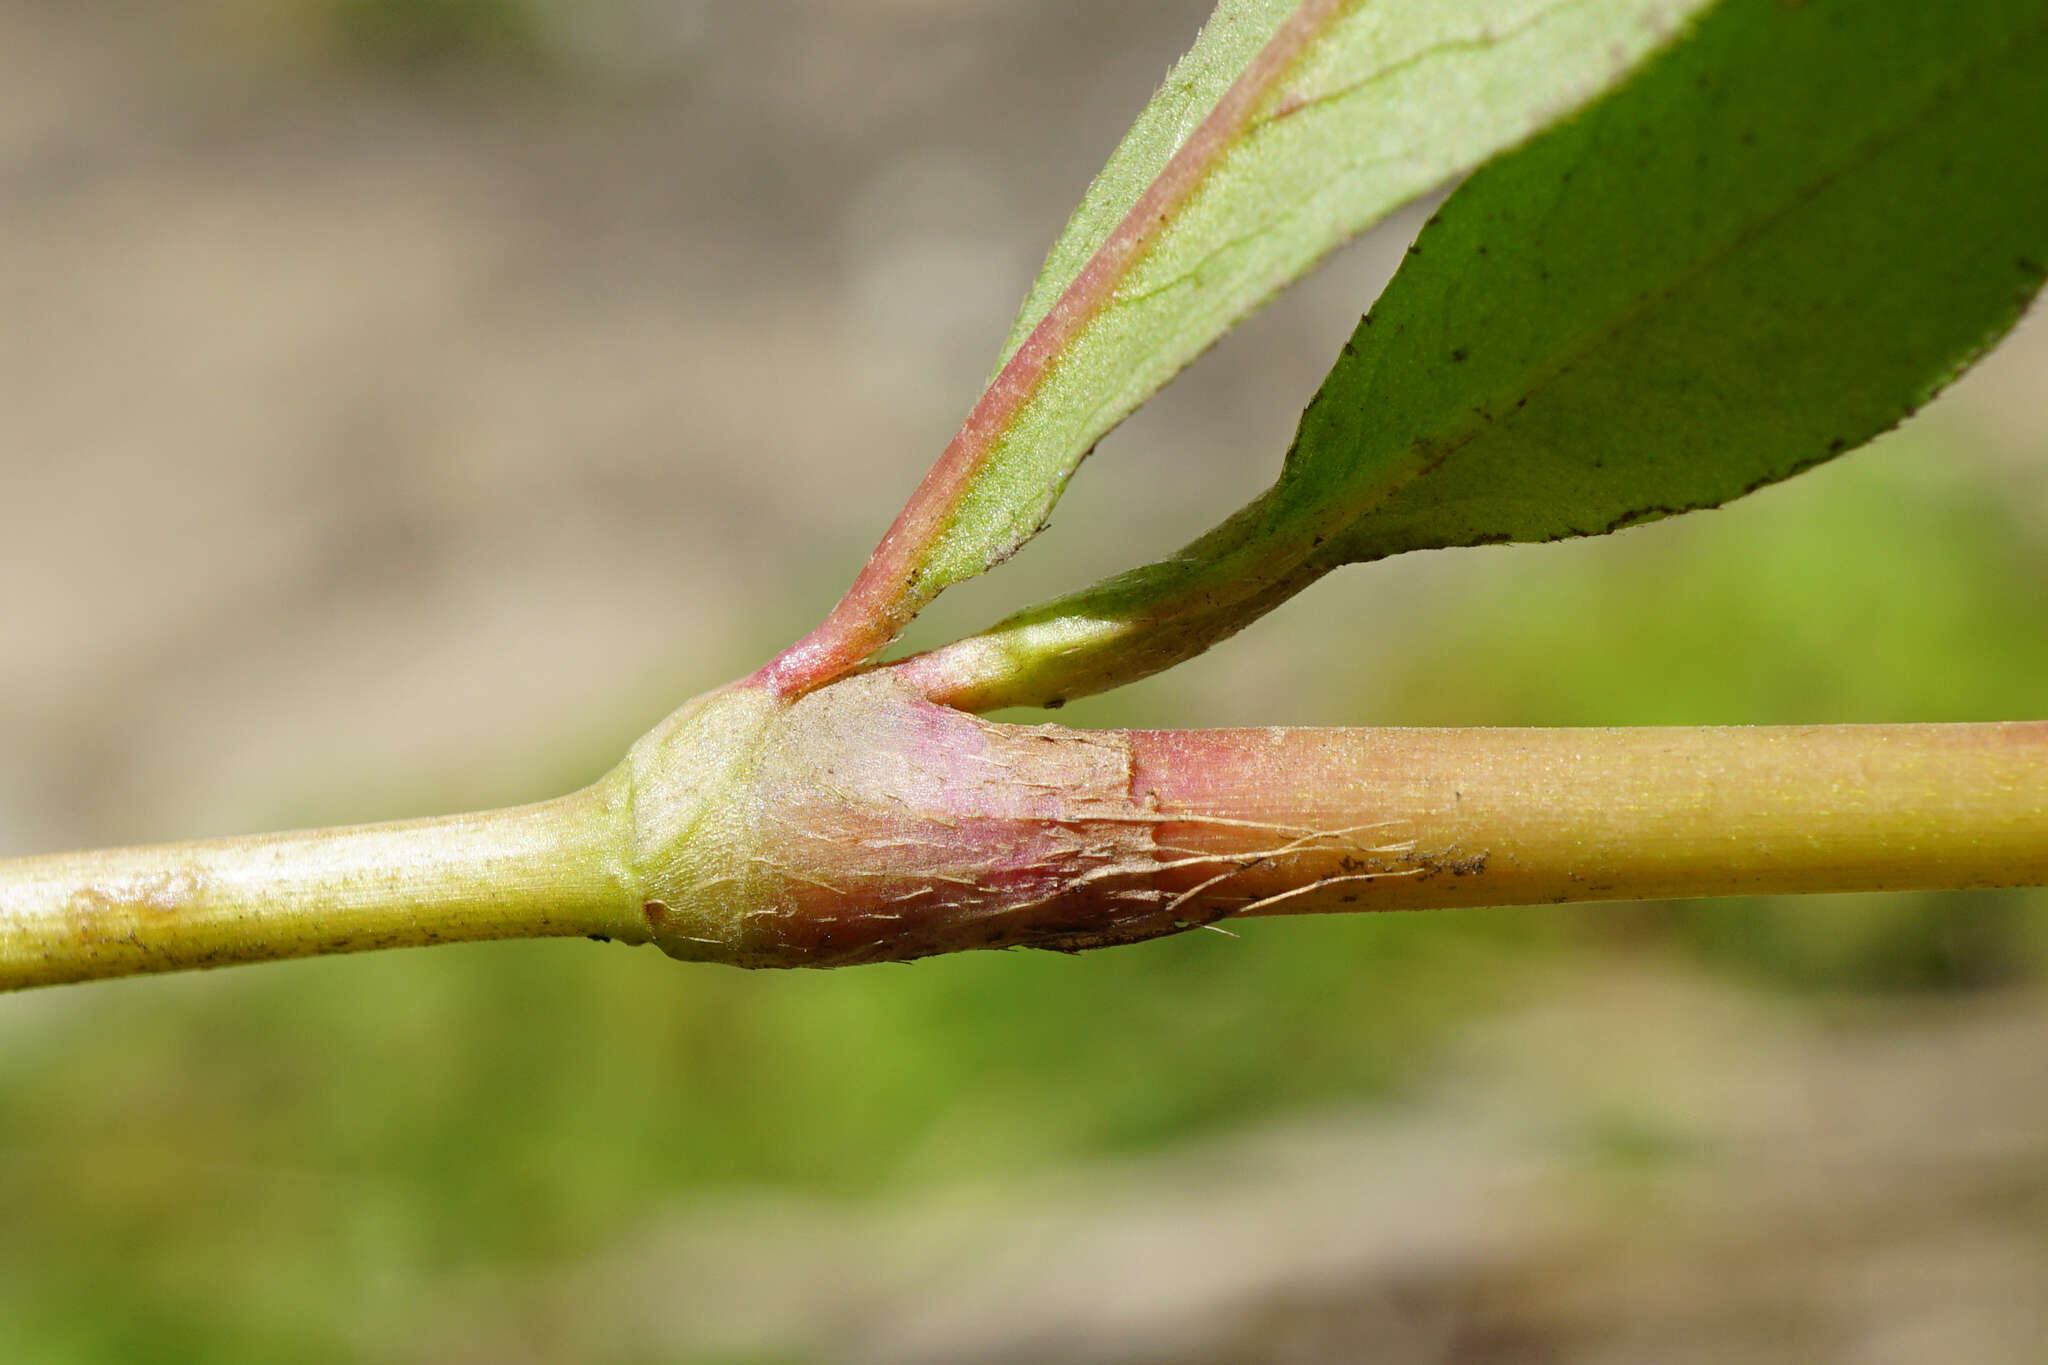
x: 895, y: 584
x: 873, y: 825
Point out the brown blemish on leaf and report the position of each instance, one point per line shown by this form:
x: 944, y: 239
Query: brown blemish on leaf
x: 1636, y: 516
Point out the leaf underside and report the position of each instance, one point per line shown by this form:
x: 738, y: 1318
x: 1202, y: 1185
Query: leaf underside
x: 1386, y: 101
x: 1774, y: 243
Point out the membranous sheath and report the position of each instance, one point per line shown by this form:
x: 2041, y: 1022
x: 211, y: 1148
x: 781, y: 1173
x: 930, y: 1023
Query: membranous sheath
x: 870, y: 824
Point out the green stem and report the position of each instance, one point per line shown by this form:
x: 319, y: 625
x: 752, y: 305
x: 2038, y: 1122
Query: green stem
x: 876, y: 826
x: 864, y: 823
x: 1420, y: 819
x: 556, y: 868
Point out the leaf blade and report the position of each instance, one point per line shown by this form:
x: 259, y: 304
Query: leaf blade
x: 1386, y: 104
x: 1730, y: 270
x: 1799, y: 292
x: 1319, y: 118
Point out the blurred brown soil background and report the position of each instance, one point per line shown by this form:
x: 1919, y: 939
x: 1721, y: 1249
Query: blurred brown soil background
x: 402, y: 404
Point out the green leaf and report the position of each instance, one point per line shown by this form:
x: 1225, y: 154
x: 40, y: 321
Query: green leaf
x: 1383, y: 102
x: 1773, y: 244
x: 1796, y: 230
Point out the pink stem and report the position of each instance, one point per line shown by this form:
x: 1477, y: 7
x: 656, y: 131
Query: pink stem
x: 1415, y: 819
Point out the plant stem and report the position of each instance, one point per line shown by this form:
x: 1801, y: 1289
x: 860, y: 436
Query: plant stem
x: 866, y: 824
x: 555, y: 868
x: 1417, y: 819
x: 876, y: 826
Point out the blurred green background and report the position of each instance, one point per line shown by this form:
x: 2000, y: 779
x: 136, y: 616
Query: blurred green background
x: 404, y: 402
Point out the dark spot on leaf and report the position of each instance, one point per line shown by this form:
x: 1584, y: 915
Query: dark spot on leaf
x: 1636, y: 516
x: 1055, y: 703
x: 1838, y: 445
x: 1458, y: 353
x: 599, y: 938
x: 656, y: 914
